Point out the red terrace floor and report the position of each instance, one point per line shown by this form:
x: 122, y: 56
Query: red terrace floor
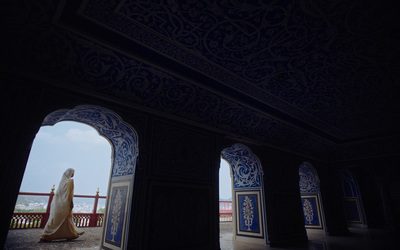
x: 365, y: 239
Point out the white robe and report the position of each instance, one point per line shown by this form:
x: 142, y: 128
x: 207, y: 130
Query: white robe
x: 60, y: 224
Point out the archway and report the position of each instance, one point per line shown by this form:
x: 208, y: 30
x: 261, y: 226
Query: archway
x: 124, y: 141
x: 352, y: 202
x: 249, y: 220
x: 67, y: 144
x: 225, y: 201
x: 311, y: 198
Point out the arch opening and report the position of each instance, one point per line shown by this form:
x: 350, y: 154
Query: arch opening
x: 248, y: 202
x: 311, y: 198
x: 124, y: 141
x: 352, y: 202
x: 69, y: 145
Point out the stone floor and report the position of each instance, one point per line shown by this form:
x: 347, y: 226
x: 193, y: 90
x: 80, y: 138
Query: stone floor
x: 29, y: 238
x: 359, y: 239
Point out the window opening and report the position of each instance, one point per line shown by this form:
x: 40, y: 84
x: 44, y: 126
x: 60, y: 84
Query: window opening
x: 352, y: 202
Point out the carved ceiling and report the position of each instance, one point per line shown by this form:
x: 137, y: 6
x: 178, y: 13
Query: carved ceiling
x: 314, y: 77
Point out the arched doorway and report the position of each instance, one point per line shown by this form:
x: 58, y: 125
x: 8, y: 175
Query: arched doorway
x: 311, y: 198
x: 124, y: 141
x: 249, y: 220
x: 352, y: 202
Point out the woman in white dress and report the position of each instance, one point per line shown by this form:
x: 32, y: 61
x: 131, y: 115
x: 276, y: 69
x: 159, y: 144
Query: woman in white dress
x: 60, y: 224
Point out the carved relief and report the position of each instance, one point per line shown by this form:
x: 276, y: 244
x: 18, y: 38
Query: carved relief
x: 248, y: 213
x: 116, y: 214
x: 308, y: 211
x: 208, y: 37
x: 246, y: 167
x: 309, y: 181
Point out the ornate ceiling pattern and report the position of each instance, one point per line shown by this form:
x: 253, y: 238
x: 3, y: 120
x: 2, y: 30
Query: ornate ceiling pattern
x: 314, y: 56
x: 314, y: 78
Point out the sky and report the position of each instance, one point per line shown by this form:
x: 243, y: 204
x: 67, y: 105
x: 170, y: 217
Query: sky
x: 79, y: 146
x: 225, y: 181
x: 68, y: 145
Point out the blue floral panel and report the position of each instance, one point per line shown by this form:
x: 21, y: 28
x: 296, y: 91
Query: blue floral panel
x: 311, y: 211
x: 114, y: 232
x: 248, y: 213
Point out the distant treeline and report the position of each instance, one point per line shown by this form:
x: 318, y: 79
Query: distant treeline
x: 26, y: 199
x: 41, y: 210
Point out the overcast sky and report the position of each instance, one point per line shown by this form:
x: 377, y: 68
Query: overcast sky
x: 225, y: 182
x: 79, y: 146
x: 68, y: 145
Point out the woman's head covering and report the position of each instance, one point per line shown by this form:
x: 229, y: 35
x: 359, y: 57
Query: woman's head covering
x: 61, y: 204
x: 65, y: 179
x: 69, y: 172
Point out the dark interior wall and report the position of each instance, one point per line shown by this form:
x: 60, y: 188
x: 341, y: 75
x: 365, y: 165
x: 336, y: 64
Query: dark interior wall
x: 182, y: 196
x: 180, y: 165
x: 24, y: 106
x: 371, y: 197
x: 176, y: 183
x: 283, y: 204
x: 332, y: 198
x: 378, y: 181
x: 389, y: 184
x: 17, y: 134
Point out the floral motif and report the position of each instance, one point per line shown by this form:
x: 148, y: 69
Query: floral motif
x: 308, y: 211
x: 122, y: 136
x: 196, y: 34
x: 246, y: 167
x: 309, y: 181
x: 116, y: 214
x: 248, y: 212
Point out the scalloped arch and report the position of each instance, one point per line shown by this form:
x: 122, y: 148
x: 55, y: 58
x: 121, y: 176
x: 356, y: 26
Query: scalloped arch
x: 122, y: 136
x: 246, y: 167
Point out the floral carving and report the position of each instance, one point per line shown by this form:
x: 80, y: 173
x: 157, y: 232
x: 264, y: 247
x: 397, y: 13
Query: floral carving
x: 246, y: 167
x: 122, y: 136
x: 308, y: 211
x: 248, y: 212
x: 116, y: 214
x: 309, y: 181
x: 281, y: 55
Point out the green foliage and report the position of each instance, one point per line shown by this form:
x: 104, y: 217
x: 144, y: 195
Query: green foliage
x: 42, y: 210
x: 101, y: 211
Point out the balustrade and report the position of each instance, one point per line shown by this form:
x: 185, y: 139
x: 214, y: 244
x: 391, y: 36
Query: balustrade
x: 38, y: 220
x: 225, y: 211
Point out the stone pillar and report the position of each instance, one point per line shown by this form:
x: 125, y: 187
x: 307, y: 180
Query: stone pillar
x: 386, y: 204
x: 332, y: 199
